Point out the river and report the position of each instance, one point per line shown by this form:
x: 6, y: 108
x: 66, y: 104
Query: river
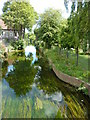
x: 33, y: 91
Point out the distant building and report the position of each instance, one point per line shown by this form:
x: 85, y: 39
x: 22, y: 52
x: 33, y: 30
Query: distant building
x: 7, y: 33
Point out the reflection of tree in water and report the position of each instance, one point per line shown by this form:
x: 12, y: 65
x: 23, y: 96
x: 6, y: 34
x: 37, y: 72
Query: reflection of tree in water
x: 47, y: 79
x: 22, y: 77
x: 4, y: 68
x: 50, y: 84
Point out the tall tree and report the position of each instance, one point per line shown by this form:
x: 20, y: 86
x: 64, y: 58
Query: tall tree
x: 49, y: 27
x: 19, y: 15
x: 65, y: 38
x: 78, y: 24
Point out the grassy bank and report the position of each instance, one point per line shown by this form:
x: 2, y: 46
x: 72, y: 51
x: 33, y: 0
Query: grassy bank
x: 68, y: 65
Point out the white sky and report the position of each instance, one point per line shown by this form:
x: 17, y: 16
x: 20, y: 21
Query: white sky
x: 41, y: 5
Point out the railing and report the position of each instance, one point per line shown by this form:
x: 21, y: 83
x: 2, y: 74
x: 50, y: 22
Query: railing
x: 7, y: 34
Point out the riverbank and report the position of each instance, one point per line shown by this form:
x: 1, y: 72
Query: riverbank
x: 49, y: 93
x: 66, y: 69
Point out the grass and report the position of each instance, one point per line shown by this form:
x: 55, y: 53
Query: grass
x: 68, y: 65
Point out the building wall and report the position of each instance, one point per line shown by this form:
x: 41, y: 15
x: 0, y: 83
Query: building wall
x: 7, y: 34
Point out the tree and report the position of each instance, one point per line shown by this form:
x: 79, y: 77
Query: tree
x: 65, y: 39
x: 19, y: 15
x: 78, y: 24
x: 49, y: 27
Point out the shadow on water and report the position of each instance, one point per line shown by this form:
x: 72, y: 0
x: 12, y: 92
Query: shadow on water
x: 33, y: 91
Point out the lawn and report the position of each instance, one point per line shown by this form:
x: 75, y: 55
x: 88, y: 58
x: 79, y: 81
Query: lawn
x: 68, y: 65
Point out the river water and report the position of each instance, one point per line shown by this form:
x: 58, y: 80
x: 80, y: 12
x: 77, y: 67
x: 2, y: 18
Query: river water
x: 33, y: 91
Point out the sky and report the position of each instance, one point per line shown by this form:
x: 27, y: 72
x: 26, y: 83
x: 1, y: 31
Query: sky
x: 41, y: 5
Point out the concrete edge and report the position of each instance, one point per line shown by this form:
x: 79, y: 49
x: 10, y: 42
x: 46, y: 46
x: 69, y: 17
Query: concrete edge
x: 69, y: 79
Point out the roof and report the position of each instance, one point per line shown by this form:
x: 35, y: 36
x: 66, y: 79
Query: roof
x: 3, y: 26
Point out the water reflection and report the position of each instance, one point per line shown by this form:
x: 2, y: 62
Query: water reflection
x: 21, y: 78
x: 21, y: 83
x: 57, y: 97
x: 35, y: 92
x: 10, y: 68
x: 31, y: 50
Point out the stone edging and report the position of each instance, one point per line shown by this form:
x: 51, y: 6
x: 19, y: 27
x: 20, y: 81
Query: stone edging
x: 69, y: 79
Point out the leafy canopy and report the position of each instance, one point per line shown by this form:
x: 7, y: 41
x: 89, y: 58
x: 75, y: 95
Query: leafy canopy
x: 49, y: 27
x: 19, y: 15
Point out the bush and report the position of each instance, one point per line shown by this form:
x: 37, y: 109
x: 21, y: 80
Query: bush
x: 2, y: 50
x: 83, y: 89
x: 18, y: 44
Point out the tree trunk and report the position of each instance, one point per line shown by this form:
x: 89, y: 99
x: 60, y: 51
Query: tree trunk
x: 88, y: 46
x: 59, y: 50
x: 14, y: 31
x: 67, y: 54
x: 20, y: 32
x: 23, y: 33
x: 77, y: 56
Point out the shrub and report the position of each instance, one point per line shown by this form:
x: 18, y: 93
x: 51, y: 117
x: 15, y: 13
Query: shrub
x: 2, y: 50
x: 18, y: 44
x: 83, y: 89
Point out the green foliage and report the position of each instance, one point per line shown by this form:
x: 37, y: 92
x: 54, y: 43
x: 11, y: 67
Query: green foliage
x: 4, y: 68
x: 19, y: 15
x: 21, y: 83
x: 60, y: 61
x: 38, y: 104
x: 78, y: 26
x: 2, y: 50
x: 6, y: 6
x: 83, y: 89
x: 78, y: 23
x: 32, y: 37
x: 66, y: 38
x: 18, y: 44
x: 19, y: 102
x: 49, y: 27
x: 59, y: 114
x: 51, y: 86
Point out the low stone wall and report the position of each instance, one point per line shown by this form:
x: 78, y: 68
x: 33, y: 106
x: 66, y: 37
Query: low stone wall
x: 68, y: 79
